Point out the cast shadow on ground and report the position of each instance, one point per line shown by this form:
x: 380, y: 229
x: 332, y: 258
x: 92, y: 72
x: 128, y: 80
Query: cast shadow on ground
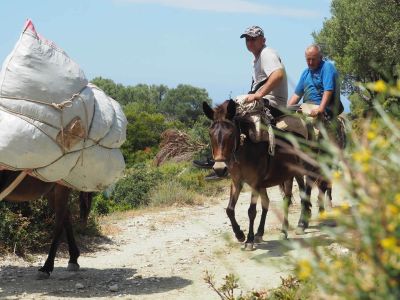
x: 280, y: 248
x: 20, y: 281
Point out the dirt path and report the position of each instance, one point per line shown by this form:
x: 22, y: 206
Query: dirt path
x: 163, y: 255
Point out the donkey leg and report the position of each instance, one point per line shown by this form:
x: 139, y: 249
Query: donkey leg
x: 321, y: 196
x: 305, y: 195
x: 265, y: 206
x: 252, y: 212
x: 287, y: 187
x: 230, y: 211
x: 58, y: 198
x: 72, y: 247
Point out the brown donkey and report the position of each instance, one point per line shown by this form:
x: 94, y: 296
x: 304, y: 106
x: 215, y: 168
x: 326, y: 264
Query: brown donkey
x: 251, y: 163
x: 31, y: 189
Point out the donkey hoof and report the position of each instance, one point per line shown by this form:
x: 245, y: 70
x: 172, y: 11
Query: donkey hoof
x: 73, y: 267
x: 283, y: 235
x: 41, y: 275
x: 258, y: 239
x: 249, y: 246
x: 241, y: 237
x: 300, y: 230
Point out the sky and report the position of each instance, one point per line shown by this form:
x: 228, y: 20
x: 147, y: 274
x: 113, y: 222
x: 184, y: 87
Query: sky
x: 170, y: 42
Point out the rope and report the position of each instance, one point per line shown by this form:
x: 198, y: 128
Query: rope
x: 257, y: 107
x: 13, y: 185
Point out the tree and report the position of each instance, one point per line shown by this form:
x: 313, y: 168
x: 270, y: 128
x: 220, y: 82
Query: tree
x: 184, y: 103
x: 363, y: 38
x: 143, y: 131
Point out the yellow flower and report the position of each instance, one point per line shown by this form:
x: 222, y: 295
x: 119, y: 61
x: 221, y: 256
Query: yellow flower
x: 392, y: 210
x: 337, y: 175
x: 380, y: 86
x: 397, y: 199
x: 345, y: 206
x: 398, y: 84
x: 304, y: 269
x: 337, y: 264
x: 362, y: 156
x: 371, y: 135
x: 391, y: 227
x: 389, y: 243
x: 323, y: 215
x: 382, y: 142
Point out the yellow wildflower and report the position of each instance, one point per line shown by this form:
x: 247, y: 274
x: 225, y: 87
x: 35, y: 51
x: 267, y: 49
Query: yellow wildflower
x: 397, y: 199
x: 388, y: 243
x: 345, y: 206
x: 304, y: 269
x: 380, y: 86
x: 371, y: 135
x: 362, y: 156
x: 382, y: 142
x: 392, y: 210
x: 323, y: 215
x: 391, y: 227
x: 337, y: 175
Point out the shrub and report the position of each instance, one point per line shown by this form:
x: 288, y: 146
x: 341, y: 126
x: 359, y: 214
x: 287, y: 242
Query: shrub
x: 366, y: 262
x: 25, y: 226
x: 173, y: 192
x: 132, y: 191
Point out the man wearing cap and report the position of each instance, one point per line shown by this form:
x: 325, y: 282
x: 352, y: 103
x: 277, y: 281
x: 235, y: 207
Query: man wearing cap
x: 269, y: 75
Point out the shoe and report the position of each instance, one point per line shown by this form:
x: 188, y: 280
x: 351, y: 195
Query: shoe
x: 214, y: 176
x: 204, y: 164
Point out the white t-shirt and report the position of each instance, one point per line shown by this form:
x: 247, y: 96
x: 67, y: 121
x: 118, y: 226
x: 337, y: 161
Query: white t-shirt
x: 268, y: 62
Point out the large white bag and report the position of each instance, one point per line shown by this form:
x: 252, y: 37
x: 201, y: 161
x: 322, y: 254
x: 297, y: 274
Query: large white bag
x: 53, y: 123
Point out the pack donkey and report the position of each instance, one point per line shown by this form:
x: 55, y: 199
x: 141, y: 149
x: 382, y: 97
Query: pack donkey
x: 31, y: 188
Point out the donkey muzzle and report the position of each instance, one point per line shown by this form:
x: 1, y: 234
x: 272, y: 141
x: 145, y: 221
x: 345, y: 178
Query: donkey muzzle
x: 220, y: 168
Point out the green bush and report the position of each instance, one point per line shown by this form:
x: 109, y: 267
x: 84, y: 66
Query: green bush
x: 25, y: 226
x: 132, y: 191
x: 366, y: 262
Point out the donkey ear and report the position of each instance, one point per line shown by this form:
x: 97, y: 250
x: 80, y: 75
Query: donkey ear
x: 208, y: 111
x: 231, y: 110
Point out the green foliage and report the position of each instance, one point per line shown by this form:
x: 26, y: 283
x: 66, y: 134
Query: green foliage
x: 363, y: 38
x: 132, y: 191
x: 184, y: 103
x: 143, y: 132
x: 141, y: 93
x: 25, y: 226
x: 365, y: 263
x: 290, y: 289
x: 173, y: 192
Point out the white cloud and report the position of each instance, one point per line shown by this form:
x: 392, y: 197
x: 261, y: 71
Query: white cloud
x: 232, y: 6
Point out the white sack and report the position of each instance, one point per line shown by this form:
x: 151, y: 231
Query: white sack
x: 50, y: 118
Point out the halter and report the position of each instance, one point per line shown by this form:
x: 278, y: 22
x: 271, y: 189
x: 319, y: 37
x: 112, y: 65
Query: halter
x: 237, y: 141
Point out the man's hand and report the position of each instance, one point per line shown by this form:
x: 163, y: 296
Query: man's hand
x: 316, y: 112
x: 251, y: 98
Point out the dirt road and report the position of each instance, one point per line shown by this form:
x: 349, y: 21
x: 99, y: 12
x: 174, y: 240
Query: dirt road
x: 163, y: 255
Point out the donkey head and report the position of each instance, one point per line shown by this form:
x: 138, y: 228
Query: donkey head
x: 223, y: 133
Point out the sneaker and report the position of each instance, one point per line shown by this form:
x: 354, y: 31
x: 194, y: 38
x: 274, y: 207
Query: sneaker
x: 204, y: 164
x: 214, y: 176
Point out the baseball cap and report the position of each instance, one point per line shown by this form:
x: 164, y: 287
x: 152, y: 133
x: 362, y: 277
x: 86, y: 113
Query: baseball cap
x: 253, y: 31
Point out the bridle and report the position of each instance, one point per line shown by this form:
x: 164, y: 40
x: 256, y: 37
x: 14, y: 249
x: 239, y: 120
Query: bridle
x: 237, y: 142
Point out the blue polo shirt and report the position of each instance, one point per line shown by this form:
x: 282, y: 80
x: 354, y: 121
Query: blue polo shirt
x: 313, y: 83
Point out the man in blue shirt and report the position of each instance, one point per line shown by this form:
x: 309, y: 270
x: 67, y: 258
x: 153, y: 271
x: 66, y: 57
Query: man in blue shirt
x: 318, y: 85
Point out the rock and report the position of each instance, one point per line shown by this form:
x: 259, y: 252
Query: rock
x: 79, y: 286
x: 113, y: 288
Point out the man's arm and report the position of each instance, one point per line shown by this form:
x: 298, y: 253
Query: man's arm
x: 326, y: 96
x: 273, y: 80
x: 294, y: 100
